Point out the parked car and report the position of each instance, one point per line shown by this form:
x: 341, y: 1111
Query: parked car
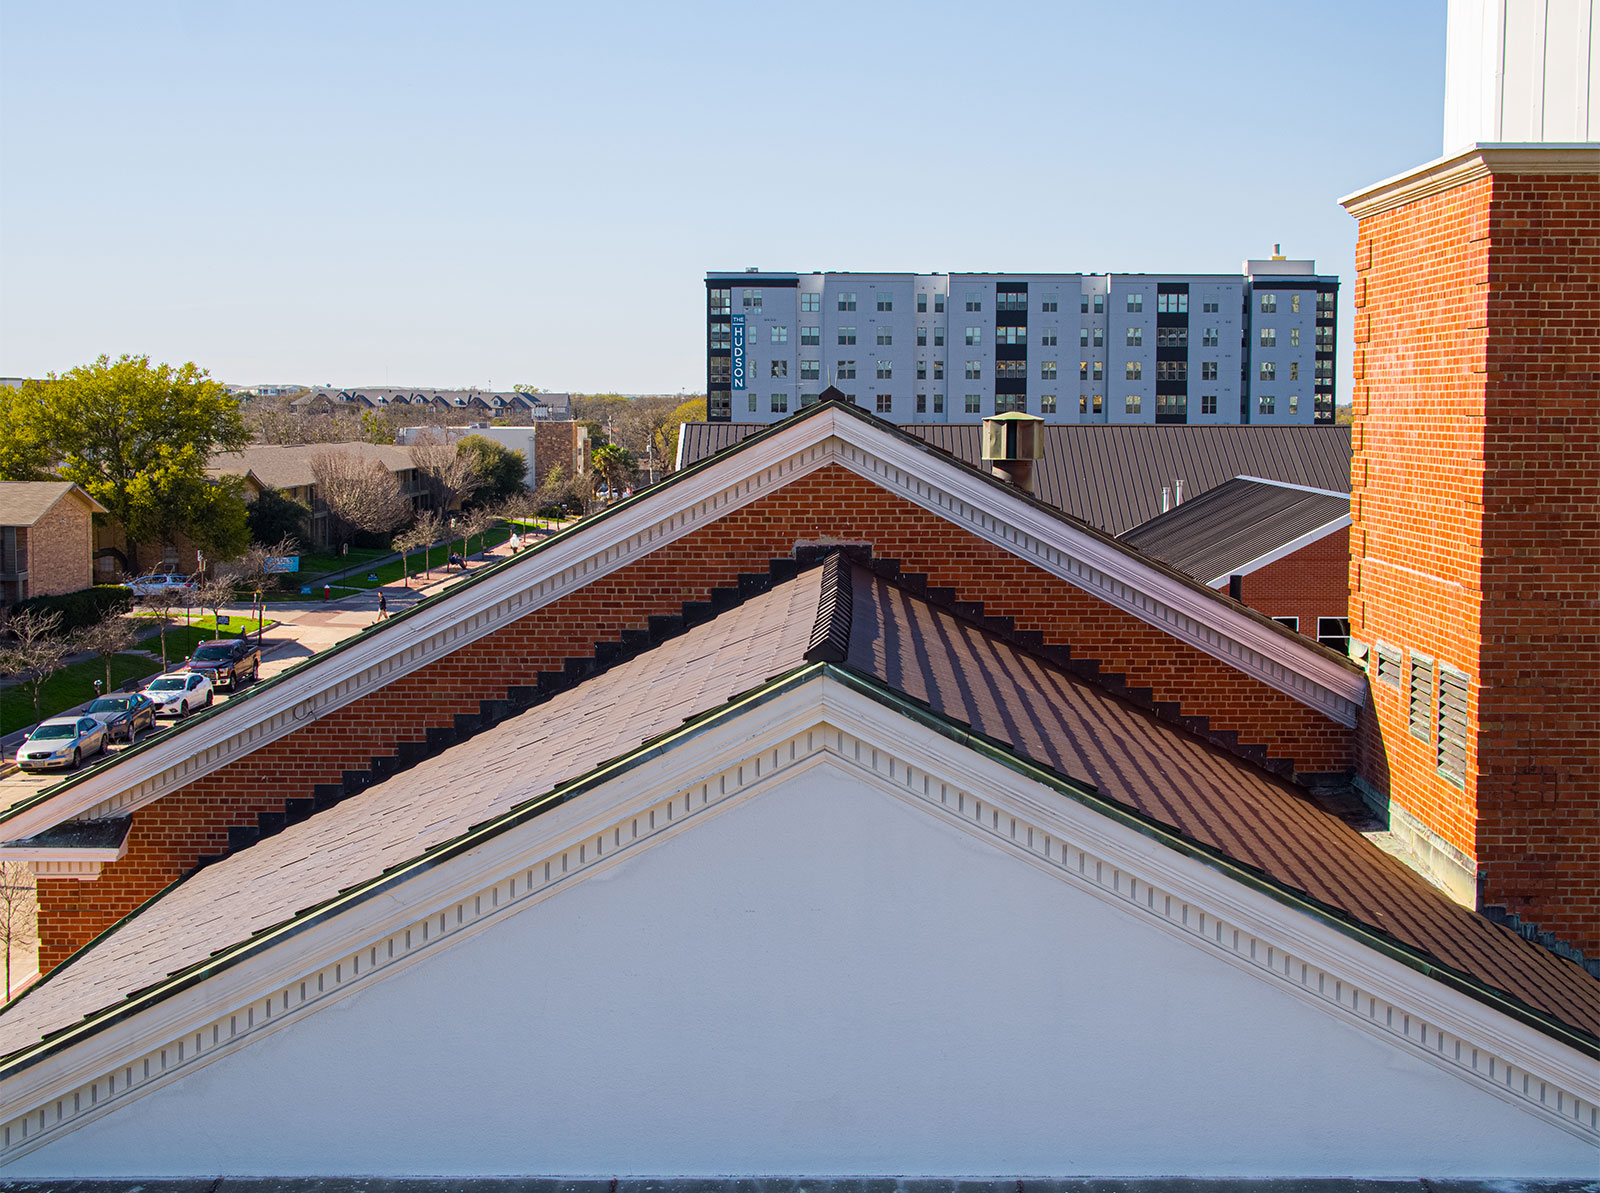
x: 161, y: 582
x: 227, y: 662
x: 123, y: 716
x: 62, y: 741
x: 178, y: 693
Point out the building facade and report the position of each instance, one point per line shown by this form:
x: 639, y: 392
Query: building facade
x: 1256, y: 347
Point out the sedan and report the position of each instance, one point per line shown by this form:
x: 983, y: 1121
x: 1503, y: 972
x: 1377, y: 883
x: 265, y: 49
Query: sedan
x: 179, y: 694
x: 175, y: 583
x: 123, y: 716
x: 62, y: 741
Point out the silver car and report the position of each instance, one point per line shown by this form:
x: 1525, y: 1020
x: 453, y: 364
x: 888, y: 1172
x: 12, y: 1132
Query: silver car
x: 63, y: 742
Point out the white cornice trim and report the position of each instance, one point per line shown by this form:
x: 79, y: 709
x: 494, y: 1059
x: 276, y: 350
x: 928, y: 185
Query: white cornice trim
x: 1470, y: 165
x: 1114, y: 574
x: 1288, y: 548
x: 820, y: 722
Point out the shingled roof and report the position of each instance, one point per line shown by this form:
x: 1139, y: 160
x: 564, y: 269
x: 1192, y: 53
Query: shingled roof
x: 1230, y: 527
x: 1111, y: 476
x: 903, y: 650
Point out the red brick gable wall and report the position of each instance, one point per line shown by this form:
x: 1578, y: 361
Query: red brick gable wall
x: 1313, y: 582
x: 1475, y: 536
x: 831, y: 504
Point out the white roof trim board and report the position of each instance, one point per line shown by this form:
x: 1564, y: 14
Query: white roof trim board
x: 283, y: 976
x: 661, y: 515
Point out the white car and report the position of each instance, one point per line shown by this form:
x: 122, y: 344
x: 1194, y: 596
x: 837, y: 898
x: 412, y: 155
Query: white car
x: 161, y: 582
x: 179, y: 693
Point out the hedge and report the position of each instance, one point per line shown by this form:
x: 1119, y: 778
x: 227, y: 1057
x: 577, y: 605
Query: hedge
x: 86, y: 607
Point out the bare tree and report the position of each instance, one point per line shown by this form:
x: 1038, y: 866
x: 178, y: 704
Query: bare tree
x: 161, y: 602
x: 449, y: 472
x: 37, y: 649
x: 411, y: 540
x: 429, y: 527
x: 106, y: 639
x: 212, y: 595
x: 19, y: 912
x: 249, y: 571
x: 359, y: 492
x: 476, y: 524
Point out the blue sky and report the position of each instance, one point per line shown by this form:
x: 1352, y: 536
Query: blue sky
x: 478, y: 193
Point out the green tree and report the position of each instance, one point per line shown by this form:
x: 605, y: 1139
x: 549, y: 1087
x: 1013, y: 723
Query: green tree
x: 501, y: 471
x: 615, y: 465
x: 24, y: 454
x: 692, y: 411
x: 273, y: 516
x: 137, y: 437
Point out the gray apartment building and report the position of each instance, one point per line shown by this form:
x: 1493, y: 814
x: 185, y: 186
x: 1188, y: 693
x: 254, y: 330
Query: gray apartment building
x: 1254, y: 347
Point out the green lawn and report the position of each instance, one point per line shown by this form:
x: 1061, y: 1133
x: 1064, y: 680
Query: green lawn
x: 389, y: 573
x: 68, y: 687
x: 322, y: 562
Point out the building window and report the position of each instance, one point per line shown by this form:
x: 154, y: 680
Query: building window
x: 1172, y: 370
x: 885, y: 403
x: 974, y: 404
x: 1099, y: 370
x: 811, y: 370
x: 1334, y: 633
x: 722, y: 370
x: 1135, y: 337
x: 1047, y: 305
x: 1388, y: 666
x: 721, y: 302
x: 1266, y: 404
x: 810, y: 337
x: 922, y: 337
x: 1047, y: 339
x: 753, y: 401
x: 974, y: 335
x: 1269, y: 371
x: 938, y: 403
x: 1325, y: 303
x: 938, y: 304
x: 752, y: 300
x: 1132, y: 404
x: 1208, y: 338
x: 1172, y: 337
x: 780, y: 335
x: 1083, y: 337
x: 847, y: 302
x: 922, y: 370
x: 1011, y: 335
x: 1294, y: 403
x: 886, y: 302
x: 1208, y: 370
x: 1011, y: 300
x: 811, y: 303
x: 780, y: 368
x: 1294, y: 370
x: 1135, y: 303
x: 1294, y: 336
x: 974, y: 370
x: 807, y: 400
x: 938, y: 337
x: 885, y: 371
x: 938, y: 370
x: 1011, y: 370
x: 1047, y: 403
x: 780, y: 403
x: 1083, y: 370
x: 1209, y: 308
x: 1294, y: 303
x: 1047, y: 370
x: 1269, y: 304
x: 722, y: 335
x: 1420, y: 719
x: 1208, y: 403
x: 1172, y: 408
x: 922, y: 304
x: 885, y: 337
x: 846, y: 370
x: 974, y: 304
x: 1099, y: 304
x: 1098, y: 402
x: 1269, y: 337
x: 847, y: 335
x: 1176, y: 303
x: 1006, y: 403
x: 1083, y: 304
x: 1292, y: 623
x: 1099, y: 337
x: 1134, y: 370
x: 922, y: 403
x: 1452, y: 747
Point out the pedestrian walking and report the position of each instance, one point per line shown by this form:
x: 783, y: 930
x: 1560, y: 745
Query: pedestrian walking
x: 383, y: 606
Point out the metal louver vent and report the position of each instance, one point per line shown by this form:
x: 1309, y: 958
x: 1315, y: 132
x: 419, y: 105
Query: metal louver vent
x: 1453, y: 726
x: 1421, y: 698
x: 1389, y: 668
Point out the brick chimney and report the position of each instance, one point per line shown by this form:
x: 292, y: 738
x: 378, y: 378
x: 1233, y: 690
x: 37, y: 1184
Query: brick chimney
x: 1475, y: 483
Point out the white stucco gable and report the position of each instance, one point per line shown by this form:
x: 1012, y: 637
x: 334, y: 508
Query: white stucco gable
x: 822, y: 962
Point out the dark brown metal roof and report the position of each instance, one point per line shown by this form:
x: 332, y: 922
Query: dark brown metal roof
x: 1112, y: 476
x: 1234, y: 524
x: 929, y: 661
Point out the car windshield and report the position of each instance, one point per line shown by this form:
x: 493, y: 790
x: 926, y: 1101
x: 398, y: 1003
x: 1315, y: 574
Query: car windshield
x: 112, y: 704
x: 212, y: 653
x: 168, y: 684
x: 53, y: 732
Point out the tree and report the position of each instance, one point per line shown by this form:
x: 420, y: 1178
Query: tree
x: 162, y: 601
x: 24, y: 455
x: 137, y: 438
x: 274, y: 516
x: 429, y: 527
x: 37, y: 648
x: 449, y: 473
x: 559, y: 490
x: 415, y: 539
x: 249, y: 570
x: 502, y: 472
x: 19, y: 912
x: 106, y: 639
x: 692, y: 411
x: 359, y: 492
x: 615, y: 465
x: 476, y: 524
x: 211, y: 595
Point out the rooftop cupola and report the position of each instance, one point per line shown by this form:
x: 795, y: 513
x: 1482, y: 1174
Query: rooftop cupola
x: 1011, y: 443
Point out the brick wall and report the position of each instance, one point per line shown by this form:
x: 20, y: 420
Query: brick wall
x: 829, y: 505
x: 61, y: 549
x: 1475, y: 518
x: 1313, y: 582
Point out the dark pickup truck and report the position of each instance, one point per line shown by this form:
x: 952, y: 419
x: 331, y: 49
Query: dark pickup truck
x: 228, y: 662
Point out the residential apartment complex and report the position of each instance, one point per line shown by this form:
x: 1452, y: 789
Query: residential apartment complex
x: 1256, y: 347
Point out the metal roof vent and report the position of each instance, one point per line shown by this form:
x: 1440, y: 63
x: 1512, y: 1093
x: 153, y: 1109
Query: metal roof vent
x: 1011, y: 443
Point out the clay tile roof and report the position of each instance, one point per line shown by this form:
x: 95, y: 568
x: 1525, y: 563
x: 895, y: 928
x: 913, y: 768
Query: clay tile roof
x: 1235, y: 524
x: 22, y: 503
